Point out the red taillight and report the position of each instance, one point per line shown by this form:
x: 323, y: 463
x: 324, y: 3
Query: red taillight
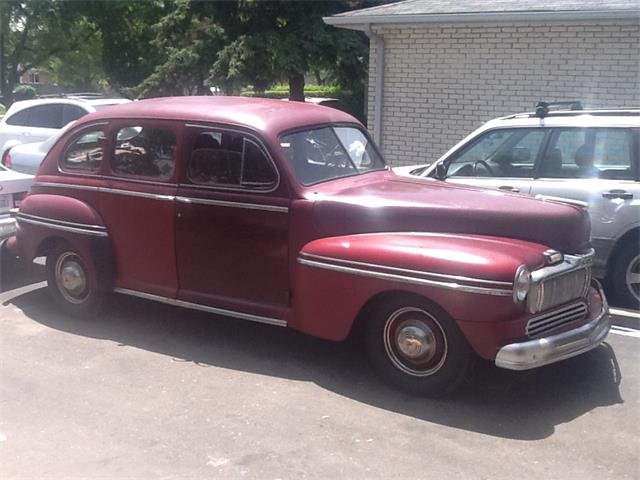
x: 6, y: 159
x: 18, y: 198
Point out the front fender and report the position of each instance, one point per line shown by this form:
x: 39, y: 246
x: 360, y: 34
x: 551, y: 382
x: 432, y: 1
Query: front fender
x: 470, y: 276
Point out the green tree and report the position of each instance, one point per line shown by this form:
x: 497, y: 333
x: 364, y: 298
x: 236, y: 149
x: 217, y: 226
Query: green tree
x: 30, y: 34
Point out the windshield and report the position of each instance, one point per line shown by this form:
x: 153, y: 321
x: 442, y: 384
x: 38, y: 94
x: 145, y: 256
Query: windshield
x: 327, y: 153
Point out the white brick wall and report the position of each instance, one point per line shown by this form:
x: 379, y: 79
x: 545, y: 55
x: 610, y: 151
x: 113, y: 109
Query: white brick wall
x: 443, y: 81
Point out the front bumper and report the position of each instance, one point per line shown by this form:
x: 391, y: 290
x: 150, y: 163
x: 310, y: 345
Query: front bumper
x: 7, y: 226
x: 546, y: 350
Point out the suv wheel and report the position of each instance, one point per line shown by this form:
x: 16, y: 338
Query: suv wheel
x: 626, y: 276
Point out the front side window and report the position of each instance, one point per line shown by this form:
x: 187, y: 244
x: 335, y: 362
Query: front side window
x: 85, y: 152
x: 144, y: 152
x: 499, y: 153
x: 327, y: 153
x: 589, y: 153
x: 229, y: 159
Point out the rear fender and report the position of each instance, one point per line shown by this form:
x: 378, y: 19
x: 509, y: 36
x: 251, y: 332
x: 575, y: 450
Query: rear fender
x: 44, y: 221
x: 469, y: 276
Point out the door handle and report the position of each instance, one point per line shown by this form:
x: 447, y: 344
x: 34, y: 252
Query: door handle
x: 509, y: 188
x: 623, y: 194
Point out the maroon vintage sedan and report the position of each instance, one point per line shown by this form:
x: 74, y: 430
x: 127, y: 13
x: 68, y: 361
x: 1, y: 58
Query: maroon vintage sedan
x: 285, y: 213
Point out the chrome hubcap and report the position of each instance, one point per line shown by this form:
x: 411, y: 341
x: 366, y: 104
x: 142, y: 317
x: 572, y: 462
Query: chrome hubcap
x: 633, y: 277
x: 71, y: 278
x: 415, y: 342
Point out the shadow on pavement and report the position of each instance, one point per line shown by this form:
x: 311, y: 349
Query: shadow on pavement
x: 524, y: 406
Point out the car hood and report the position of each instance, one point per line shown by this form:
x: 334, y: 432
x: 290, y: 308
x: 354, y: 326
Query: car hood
x: 384, y: 201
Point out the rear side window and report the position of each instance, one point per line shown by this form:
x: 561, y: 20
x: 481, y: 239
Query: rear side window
x: 71, y: 113
x: 85, y: 152
x: 46, y: 116
x: 20, y: 118
x: 589, y: 153
x: 229, y: 159
x: 144, y: 152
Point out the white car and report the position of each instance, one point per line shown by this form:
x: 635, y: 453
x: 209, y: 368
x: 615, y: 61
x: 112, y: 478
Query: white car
x: 13, y: 188
x: 27, y: 157
x: 588, y: 156
x: 31, y: 121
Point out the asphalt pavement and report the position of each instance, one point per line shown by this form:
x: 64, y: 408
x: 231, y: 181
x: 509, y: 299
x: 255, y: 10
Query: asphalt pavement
x: 153, y: 391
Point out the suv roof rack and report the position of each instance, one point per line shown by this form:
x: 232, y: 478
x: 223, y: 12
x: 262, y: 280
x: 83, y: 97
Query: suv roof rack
x: 543, y: 111
x: 542, y: 108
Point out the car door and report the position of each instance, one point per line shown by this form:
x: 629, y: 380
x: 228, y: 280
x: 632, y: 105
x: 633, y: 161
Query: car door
x: 138, y: 204
x: 232, y: 224
x: 598, y: 166
x: 502, y: 158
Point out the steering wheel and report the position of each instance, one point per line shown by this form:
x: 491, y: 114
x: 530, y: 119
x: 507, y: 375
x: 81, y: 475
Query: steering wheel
x: 485, y: 165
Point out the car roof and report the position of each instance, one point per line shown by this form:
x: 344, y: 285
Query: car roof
x: 571, y: 118
x: 23, y: 104
x: 266, y: 115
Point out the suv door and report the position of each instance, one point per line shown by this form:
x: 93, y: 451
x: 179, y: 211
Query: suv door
x: 598, y: 166
x: 233, y: 224
x: 502, y: 158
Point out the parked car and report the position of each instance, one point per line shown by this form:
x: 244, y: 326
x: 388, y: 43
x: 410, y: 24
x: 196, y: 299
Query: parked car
x: 27, y: 157
x: 31, y: 121
x: 13, y: 189
x: 285, y: 213
x: 590, y: 156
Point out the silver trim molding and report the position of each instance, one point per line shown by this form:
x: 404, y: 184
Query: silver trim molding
x: 225, y: 203
x: 406, y: 279
x: 204, y: 308
x: 64, y: 226
x: 115, y: 191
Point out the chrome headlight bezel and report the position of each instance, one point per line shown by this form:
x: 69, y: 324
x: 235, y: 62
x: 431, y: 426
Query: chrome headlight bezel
x: 521, y: 284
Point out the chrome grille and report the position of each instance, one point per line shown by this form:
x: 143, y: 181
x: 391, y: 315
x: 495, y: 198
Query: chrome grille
x: 559, y: 289
x: 553, y: 320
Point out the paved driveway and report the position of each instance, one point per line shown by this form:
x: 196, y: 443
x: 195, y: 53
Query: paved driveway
x: 153, y: 391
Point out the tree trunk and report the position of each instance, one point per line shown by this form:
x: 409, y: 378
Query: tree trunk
x: 296, y: 87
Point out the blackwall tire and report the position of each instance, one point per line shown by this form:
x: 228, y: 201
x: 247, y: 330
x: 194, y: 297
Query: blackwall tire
x: 415, y: 345
x: 73, y: 283
x: 625, y: 276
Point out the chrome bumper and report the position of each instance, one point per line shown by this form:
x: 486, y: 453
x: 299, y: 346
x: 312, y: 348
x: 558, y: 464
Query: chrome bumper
x: 546, y: 350
x: 7, y: 226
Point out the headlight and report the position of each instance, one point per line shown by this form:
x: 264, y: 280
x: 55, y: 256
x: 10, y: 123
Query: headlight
x: 521, y: 284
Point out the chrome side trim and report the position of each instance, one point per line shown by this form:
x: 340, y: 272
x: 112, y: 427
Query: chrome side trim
x: 405, y: 270
x: 65, y: 228
x: 205, y: 308
x: 224, y: 203
x: 406, y: 279
x: 61, y: 222
x: 66, y: 185
x: 116, y: 191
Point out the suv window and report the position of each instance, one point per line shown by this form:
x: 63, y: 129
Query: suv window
x: 589, y: 153
x: 229, y: 159
x: 144, y: 152
x: 71, y: 113
x: 508, y: 152
x: 85, y: 153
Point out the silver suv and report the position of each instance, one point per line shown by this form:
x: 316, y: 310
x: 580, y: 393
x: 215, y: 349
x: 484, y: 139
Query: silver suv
x: 589, y: 156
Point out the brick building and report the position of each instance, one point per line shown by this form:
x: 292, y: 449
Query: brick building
x: 440, y: 68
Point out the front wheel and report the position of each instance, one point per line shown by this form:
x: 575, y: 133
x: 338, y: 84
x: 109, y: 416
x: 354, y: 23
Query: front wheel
x: 417, y: 346
x: 625, y: 276
x: 72, y: 284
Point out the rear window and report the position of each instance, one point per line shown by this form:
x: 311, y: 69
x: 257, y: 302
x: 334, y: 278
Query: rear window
x: 85, y: 152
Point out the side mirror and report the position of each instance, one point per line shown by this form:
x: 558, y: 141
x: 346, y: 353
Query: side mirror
x: 440, y: 172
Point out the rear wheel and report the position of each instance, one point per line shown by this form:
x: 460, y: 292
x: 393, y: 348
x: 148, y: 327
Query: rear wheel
x: 72, y: 284
x: 625, y: 275
x: 417, y: 346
